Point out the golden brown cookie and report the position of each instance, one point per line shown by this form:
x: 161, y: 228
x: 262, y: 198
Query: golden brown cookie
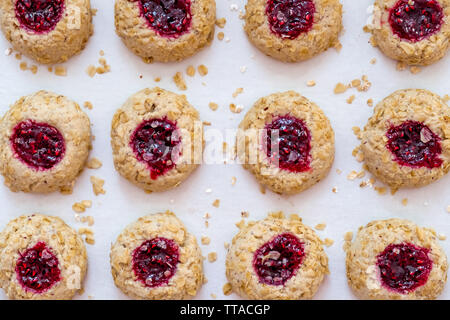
x: 276, y: 259
x: 48, y: 31
x: 293, y: 30
x: 156, y: 258
x: 165, y: 30
x: 287, y: 142
x: 156, y: 137
x: 406, y: 143
x: 41, y: 258
x: 44, y: 143
x: 396, y: 259
x: 412, y: 31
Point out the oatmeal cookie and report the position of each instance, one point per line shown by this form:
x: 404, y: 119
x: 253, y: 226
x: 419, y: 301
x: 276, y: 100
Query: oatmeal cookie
x: 412, y: 31
x: 165, y: 31
x: 396, y: 259
x: 157, y: 138
x: 293, y: 30
x: 156, y: 258
x: 48, y: 31
x: 44, y: 143
x: 276, y: 259
x: 406, y: 143
x: 41, y: 258
x: 287, y: 142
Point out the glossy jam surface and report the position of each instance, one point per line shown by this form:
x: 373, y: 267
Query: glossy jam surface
x: 39, y: 16
x: 155, y: 142
x: 39, y: 145
x: 404, y: 267
x: 290, y: 18
x: 288, y: 143
x: 279, y: 259
x: 37, y: 268
x: 155, y: 261
x: 415, y: 20
x: 169, y: 18
x: 414, y: 144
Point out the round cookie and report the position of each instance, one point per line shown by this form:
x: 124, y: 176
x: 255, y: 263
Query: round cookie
x: 287, y: 142
x: 157, y: 138
x: 415, y: 32
x: 396, y: 259
x: 276, y: 259
x: 293, y: 30
x: 165, y: 31
x: 44, y: 143
x: 41, y: 258
x: 48, y: 31
x: 406, y: 143
x: 155, y: 258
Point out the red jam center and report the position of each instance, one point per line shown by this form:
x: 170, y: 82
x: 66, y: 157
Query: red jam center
x: 155, y: 261
x: 279, y: 259
x: 288, y: 143
x: 39, y: 15
x: 154, y: 142
x: 169, y: 18
x: 289, y: 18
x: 37, y: 268
x: 414, y: 144
x: 404, y: 267
x: 39, y: 145
x: 415, y: 20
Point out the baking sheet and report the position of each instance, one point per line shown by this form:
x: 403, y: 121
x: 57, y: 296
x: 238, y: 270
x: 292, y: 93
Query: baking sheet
x: 123, y: 203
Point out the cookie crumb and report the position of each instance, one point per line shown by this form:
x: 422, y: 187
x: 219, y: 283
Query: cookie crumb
x: 240, y: 224
x: 214, y: 296
x: 351, y: 99
x: 157, y: 79
x: 227, y: 289
x: 220, y: 36
x: 340, y: 88
x: 23, y: 66
x: 348, y: 236
x: 91, y: 70
x: 88, y: 105
x: 221, y: 22
x: 206, y: 241
x: 233, y: 181
x: 380, y: 190
x: 216, y: 203
x: 373, y: 61
x: 97, y: 185
x: 404, y: 201
x: 60, y: 71
x: 94, y: 163
x: 202, y: 70
x: 370, y: 102
x: 415, y: 69
x: 179, y: 81
x: 190, y: 71
x: 262, y: 189
x: 334, y: 189
x: 34, y: 69
x: 328, y: 242
x: 311, y: 83
x: 237, y: 92
x: 212, y: 257
x: 320, y: 226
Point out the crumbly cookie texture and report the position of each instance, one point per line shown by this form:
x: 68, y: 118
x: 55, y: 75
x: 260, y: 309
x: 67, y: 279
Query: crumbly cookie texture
x: 133, y: 28
x: 67, y: 39
x: 61, y: 113
x: 423, y: 52
x: 23, y: 233
x: 410, y: 104
x: 252, y: 235
x: 149, y: 104
x: 372, y: 239
x: 323, y: 35
x: 188, y: 278
x: 322, y: 142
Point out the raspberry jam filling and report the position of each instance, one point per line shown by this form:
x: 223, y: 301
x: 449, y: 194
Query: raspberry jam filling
x: 155, y: 142
x: 39, y: 145
x: 289, y: 18
x: 37, y: 268
x: 404, y: 267
x: 279, y: 259
x: 415, y: 20
x: 39, y: 16
x: 288, y: 143
x: 413, y: 144
x: 169, y: 18
x: 155, y: 261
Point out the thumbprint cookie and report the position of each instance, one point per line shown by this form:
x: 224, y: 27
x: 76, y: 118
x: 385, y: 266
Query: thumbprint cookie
x: 293, y: 30
x: 406, y: 143
x: 155, y: 258
x: 157, y: 139
x: 48, y: 31
x: 276, y: 259
x: 161, y: 30
x: 44, y: 143
x: 412, y: 31
x: 287, y: 142
x: 41, y: 258
x: 396, y: 259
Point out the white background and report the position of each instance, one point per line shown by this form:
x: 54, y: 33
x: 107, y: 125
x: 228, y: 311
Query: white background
x: 123, y: 203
